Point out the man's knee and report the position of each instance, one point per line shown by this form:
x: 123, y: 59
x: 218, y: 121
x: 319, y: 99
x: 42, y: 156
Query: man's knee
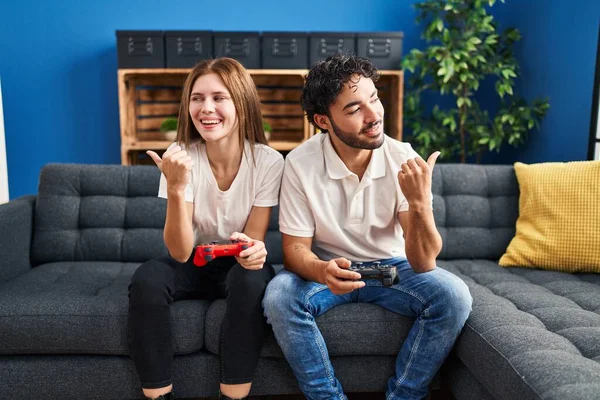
x: 280, y: 294
x: 455, y: 297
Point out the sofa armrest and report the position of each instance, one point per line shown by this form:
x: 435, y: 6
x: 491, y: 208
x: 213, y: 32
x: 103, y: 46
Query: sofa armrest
x: 16, y: 229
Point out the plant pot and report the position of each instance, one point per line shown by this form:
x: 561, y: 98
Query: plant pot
x: 268, y: 135
x: 170, y: 136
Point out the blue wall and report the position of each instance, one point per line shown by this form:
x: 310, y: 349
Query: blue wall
x: 58, y: 66
x: 557, y: 56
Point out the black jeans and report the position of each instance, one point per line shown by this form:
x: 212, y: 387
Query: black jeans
x: 157, y: 283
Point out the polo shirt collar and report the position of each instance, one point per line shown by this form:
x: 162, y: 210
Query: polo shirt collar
x: 336, y: 169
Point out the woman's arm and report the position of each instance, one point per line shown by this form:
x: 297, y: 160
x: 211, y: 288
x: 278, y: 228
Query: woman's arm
x: 179, y: 233
x: 258, y: 223
x: 255, y: 230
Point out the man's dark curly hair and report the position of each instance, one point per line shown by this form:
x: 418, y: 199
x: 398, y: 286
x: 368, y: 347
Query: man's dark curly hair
x: 326, y: 79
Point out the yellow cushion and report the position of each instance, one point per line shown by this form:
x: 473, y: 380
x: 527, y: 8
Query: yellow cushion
x: 559, y: 217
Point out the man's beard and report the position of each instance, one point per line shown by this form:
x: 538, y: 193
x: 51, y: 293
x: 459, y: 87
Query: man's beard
x: 355, y: 141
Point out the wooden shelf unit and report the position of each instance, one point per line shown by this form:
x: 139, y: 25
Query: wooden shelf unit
x: 148, y: 96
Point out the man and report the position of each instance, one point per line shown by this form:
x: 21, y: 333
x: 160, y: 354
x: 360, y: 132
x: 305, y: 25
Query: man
x: 354, y: 194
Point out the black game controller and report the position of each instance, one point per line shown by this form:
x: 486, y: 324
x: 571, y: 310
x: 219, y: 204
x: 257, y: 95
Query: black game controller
x: 385, y: 273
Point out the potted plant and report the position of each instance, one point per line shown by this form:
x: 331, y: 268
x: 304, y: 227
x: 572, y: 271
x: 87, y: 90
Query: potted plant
x: 169, y: 128
x: 267, y: 128
x: 465, y: 48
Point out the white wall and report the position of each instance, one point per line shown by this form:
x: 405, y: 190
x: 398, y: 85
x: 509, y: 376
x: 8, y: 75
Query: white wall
x: 3, y: 170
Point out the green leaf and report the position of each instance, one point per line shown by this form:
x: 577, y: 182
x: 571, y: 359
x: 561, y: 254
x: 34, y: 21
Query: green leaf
x: 464, y: 48
x: 439, y: 24
x: 508, y: 73
x: 491, y: 39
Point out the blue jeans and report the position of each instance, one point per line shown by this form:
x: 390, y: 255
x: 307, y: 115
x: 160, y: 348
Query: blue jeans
x: 439, y: 300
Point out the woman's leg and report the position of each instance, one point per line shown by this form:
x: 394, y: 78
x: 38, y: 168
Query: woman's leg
x: 154, y: 286
x: 243, y: 329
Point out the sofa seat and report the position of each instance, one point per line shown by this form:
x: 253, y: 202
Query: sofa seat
x: 81, y: 308
x: 532, y: 333
x: 349, y: 330
x: 68, y: 255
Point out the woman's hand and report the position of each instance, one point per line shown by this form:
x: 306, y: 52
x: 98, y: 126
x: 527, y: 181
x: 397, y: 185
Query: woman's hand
x: 254, y: 256
x: 176, y: 164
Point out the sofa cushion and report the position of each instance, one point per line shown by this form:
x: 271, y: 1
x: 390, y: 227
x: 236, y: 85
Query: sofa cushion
x: 81, y: 308
x: 349, y: 330
x: 531, y: 332
x: 107, y: 213
x: 98, y: 213
x: 475, y: 209
x: 559, y: 219
x: 273, y: 239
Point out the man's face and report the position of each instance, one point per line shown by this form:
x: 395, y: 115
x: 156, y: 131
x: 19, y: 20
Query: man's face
x: 356, y: 117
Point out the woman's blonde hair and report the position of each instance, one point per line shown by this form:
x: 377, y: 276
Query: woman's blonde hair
x: 243, y: 93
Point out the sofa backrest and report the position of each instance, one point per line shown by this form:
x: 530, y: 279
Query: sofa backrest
x: 98, y: 213
x: 475, y: 208
x: 112, y: 213
x: 105, y: 213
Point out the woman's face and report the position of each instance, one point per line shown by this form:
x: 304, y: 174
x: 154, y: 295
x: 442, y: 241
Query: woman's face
x: 211, y: 108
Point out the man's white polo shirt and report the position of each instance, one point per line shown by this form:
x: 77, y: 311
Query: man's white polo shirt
x: 321, y: 198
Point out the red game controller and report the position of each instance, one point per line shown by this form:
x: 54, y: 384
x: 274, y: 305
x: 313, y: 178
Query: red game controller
x: 208, y: 252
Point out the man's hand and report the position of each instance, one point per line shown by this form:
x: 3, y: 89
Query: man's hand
x: 253, y: 257
x: 176, y: 165
x: 414, y: 178
x: 338, y: 279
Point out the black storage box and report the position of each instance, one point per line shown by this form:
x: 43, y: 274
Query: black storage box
x: 140, y: 49
x: 284, y: 50
x: 383, y: 48
x: 186, y: 48
x: 242, y: 46
x: 325, y: 44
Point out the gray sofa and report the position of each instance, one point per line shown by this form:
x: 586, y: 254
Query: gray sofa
x: 67, y: 256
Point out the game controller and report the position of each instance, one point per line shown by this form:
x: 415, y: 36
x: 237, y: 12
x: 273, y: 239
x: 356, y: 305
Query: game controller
x: 208, y: 252
x: 387, y: 274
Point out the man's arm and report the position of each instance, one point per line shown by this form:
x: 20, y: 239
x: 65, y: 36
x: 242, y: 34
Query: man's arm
x: 299, y: 259
x: 422, y: 240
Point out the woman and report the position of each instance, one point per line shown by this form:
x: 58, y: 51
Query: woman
x: 220, y: 180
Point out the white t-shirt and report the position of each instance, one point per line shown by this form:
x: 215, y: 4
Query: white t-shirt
x: 217, y: 213
x: 358, y: 220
